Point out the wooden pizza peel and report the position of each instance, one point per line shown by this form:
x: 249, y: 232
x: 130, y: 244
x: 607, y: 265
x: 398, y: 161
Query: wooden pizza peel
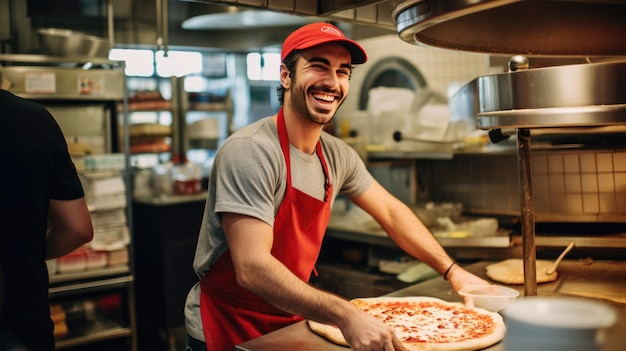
x: 597, y: 279
x: 511, y: 271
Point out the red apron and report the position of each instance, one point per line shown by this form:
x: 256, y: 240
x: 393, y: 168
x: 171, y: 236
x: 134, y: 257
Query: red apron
x: 231, y: 314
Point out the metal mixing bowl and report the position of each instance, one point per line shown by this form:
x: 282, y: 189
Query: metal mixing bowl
x: 65, y: 42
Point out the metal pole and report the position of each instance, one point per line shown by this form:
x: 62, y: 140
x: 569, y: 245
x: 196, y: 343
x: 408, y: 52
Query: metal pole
x: 527, y: 205
x: 110, y: 22
x: 164, y: 27
x: 159, y: 25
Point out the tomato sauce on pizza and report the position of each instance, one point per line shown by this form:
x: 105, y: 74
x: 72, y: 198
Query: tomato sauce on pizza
x: 425, y: 323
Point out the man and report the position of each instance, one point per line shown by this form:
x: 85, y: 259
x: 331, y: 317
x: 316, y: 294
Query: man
x: 43, y: 214
x: 270, y: 195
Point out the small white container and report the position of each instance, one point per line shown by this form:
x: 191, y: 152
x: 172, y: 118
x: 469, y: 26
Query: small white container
x: 493, y: 298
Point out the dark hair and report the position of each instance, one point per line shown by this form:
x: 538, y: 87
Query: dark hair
x: 290, y: 63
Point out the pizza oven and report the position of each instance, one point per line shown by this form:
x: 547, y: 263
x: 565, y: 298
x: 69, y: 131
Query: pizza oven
x: 557, y: 28
x: 550, y: 101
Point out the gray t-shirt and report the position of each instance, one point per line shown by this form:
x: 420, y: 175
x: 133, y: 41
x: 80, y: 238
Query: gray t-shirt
x: 249, y: 177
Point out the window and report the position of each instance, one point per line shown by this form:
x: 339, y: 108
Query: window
x: 141, y: 63
x: 263, y: 66
x: 178, y: 63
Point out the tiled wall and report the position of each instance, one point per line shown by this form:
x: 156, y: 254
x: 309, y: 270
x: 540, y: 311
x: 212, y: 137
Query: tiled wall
x: 439, y: 67
x: 567, y: 185
x: 583, y: 183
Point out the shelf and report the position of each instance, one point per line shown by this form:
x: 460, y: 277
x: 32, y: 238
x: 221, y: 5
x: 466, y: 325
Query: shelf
x: 107, y: 334
x: 54, y: 59
x: 135, y: 110
x: 366, y: 236
x: 178, y: 109
x: 409, y: 155
x: 615, y: 241
x: 170, y: 199
x: 208, y: 106
x: 95, y: 285
x: 88, y: 274
x: 158, y: 153
x: 149, y: 106
x: 150, y: 153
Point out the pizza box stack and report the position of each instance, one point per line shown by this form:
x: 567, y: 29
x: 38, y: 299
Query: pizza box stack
x: 105, y: 193
x: 104, y: 190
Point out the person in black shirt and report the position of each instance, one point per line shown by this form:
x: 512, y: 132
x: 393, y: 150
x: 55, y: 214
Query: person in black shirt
x: 43, y: 215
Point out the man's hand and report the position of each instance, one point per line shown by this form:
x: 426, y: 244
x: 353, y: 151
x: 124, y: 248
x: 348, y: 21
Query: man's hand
x: 460, y: 278
x: 364, y: 332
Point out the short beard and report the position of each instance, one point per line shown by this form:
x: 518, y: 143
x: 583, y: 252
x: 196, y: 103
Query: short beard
x: 299, y: 104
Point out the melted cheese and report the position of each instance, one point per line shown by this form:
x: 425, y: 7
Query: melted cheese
x: 429, y: 322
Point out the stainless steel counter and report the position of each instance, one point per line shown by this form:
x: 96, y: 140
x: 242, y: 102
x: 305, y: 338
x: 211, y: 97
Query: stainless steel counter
x: 341, y: 227
x: 603, y: 279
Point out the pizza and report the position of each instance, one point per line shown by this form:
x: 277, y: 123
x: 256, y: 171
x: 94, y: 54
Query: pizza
x: 511, y: 271
x: 427, y: 323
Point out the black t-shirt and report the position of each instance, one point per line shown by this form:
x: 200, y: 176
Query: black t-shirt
x: 35, y: 167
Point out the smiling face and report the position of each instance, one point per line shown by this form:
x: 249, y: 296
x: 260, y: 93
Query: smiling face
x: 320, y: 82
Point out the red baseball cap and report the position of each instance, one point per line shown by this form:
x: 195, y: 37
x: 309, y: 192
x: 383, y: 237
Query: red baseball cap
x: 320, y: 33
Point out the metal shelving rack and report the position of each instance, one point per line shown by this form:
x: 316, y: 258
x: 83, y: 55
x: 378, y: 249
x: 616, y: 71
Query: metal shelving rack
x: 77, y: 285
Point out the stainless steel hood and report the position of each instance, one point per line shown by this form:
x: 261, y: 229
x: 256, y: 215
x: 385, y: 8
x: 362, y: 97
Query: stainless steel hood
x: 583, y: 95
x: 230, y: 23
x: 546, y: 27
x: 375, y: 13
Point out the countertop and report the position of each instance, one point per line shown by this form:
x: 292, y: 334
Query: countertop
x: 170, y: 199
x: 343, y: 226
x: 369, y: 232
x: 605, y: 279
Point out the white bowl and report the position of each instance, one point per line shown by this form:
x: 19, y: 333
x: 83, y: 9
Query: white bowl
x: 493, y: 298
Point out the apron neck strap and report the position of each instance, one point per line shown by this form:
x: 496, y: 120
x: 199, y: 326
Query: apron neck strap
x: 284, y: 145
